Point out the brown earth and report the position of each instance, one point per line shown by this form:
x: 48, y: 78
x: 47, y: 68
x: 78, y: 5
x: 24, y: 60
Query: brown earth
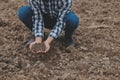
x: 38, y: 47
x: 97, y: 57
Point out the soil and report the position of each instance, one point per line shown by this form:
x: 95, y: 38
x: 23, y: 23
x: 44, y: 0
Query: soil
x: 97, y: 56
x: 38, y: 47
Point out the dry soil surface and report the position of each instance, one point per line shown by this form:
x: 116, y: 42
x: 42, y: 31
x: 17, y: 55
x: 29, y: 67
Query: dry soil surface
x: 97, y: 57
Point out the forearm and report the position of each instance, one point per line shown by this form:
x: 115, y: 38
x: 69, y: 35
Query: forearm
x: 60, y: 24
x: 37, y: 19
x: 49, y: 40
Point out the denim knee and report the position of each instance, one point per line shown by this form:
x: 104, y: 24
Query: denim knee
x: 24, y: 12
x: 72, y: 20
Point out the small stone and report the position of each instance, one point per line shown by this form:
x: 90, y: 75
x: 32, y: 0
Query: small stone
x: 84, y: 48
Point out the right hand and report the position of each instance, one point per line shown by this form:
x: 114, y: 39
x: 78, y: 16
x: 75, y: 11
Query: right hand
x: 37, y: 40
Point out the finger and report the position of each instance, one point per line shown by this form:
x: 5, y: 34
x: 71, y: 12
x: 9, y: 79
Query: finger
x: 47, y: 49
x: 31, y: 45
x: 39, y: 52
x: 33, y: 52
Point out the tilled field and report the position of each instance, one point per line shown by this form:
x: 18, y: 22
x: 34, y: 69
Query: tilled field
x: 97, y: 57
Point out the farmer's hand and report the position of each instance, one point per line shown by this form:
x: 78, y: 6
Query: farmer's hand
x: 47, y: 47
x: 37, y: 40
x: 47, y: 44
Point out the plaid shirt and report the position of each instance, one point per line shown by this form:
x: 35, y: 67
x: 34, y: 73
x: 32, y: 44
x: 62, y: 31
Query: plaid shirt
x: 55, y: 8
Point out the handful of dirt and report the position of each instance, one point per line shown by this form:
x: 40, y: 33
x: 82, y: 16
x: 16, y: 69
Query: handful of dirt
x: 38, y: 47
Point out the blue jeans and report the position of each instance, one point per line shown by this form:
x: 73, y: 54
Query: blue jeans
x: 72, y: 21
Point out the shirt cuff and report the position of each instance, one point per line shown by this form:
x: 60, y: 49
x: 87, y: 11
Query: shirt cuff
x: 53, y: 35
x: 39, y: 35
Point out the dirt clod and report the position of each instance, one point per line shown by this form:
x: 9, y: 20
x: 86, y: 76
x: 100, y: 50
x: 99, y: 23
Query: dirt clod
x: 38, y: 47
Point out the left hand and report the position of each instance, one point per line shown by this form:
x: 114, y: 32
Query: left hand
x: 47, y: 45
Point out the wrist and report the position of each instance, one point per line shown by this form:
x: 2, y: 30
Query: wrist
x: 38, y: 39
x: 49, y: 40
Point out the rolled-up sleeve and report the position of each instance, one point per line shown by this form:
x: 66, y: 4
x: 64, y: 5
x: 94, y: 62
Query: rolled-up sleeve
x: 37, y: 19
x: 60, y: 24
